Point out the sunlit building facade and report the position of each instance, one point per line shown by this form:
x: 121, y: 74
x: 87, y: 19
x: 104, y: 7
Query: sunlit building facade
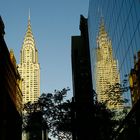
x: 29, y: 67
x: 106, y: 69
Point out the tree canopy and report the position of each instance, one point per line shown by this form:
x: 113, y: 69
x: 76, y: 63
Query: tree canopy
x: 55, y: 112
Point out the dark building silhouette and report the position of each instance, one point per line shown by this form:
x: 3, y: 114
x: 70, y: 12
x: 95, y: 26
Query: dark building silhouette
x: 82, y: 85
x: 134, y: 79
x: 130, y: 127
x: 10, y: 94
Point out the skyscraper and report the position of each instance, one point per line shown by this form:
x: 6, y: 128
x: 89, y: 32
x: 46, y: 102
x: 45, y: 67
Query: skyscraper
x: 106, y: 67
x: 29, y: 67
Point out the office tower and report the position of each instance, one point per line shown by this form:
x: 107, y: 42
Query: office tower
x: 122, y: 23
x: 29, y: 68
x: 83, y: 127
x: 106, y: 68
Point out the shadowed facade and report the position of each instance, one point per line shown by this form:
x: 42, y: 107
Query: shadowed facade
x: 10, y: 93
x: 83, y: 126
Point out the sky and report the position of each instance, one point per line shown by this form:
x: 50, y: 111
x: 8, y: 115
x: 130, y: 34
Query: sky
x: 53, y: 23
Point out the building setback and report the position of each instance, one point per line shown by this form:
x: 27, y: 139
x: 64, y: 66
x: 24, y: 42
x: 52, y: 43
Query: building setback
x: 29, y: 68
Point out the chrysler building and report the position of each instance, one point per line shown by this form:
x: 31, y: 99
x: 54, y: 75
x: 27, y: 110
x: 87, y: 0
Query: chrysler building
x: 107, y: 73
x: 29, y: 68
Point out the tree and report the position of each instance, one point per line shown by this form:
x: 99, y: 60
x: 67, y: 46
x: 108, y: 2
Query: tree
x: 55, y: 111
x: 115, y: 95
x: 104, y: 122
x: 33, y: 122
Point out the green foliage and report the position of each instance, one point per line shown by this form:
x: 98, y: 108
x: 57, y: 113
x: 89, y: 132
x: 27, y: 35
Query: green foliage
x: 115, y: 95
x: 55, y: 111
x: 104, y: 122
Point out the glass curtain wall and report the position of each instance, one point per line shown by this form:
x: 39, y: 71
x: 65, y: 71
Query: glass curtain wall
x: 122, y: 23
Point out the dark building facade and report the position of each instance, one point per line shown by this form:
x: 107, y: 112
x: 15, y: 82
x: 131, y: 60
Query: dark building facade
x: 82, y: 85
x: 134, y: 80
x: 130, y: 127
x: 10, y: 93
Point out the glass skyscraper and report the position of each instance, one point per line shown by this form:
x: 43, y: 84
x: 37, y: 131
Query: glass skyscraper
x: 122, y: 22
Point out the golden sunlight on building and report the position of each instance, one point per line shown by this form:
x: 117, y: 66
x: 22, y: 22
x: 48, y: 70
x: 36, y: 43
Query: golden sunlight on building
x: 29, y: 68
x: 107, y: 73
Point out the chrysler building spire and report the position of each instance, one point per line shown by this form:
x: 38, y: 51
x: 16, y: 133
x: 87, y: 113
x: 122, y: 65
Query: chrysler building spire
x: 29, y: 15
x: 29, y: 68
x: 29, y: 34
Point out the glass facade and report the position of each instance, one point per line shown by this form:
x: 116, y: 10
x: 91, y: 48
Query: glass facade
x: 122, y: 23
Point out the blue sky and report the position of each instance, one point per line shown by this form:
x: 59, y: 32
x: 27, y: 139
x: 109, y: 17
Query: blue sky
x: 53, y: 23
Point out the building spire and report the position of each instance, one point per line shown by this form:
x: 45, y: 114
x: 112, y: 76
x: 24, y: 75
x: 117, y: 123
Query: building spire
x: 102, y: 36
x: 29, y: 30
x: 102, y: 30
x: 29, y: 22
x: 29, y: 15
x: 29, y: 34
x: 102, y: 25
